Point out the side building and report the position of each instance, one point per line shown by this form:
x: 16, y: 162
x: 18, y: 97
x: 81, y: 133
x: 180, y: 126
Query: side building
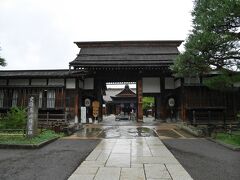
x: 55, y: 90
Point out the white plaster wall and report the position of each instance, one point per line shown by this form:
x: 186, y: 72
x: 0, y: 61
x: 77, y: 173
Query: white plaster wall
x: 18, y: 82
x: 70, y: 83
x: 39, y: 82
x: 59, y: 82
x: 151, y: 85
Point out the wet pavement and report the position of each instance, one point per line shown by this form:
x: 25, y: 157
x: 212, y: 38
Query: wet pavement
x: 110, y: 120
x: 141, y: 158
x: 126, y: 132
x: 96, y: 131
x: 130, y: 152
x: 109, y: 128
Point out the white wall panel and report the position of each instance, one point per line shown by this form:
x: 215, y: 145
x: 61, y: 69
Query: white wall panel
x: 151, y: 85
x: 18, y: 82
x: 58, y: 82
x: 70, y: 83
x: 39, y: 82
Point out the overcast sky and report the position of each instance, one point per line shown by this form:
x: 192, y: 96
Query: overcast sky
x: 39, y: 34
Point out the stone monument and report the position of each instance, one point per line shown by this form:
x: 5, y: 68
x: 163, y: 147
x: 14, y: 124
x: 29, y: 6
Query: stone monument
x: 32, y: 118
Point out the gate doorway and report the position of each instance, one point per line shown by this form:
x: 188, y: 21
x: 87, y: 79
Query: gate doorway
x: 149, y: 110
x: 119, y: 102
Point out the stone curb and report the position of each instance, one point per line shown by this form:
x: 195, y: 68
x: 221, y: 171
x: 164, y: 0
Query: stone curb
x: 189, y: 130
x: 229, y: 146
x: 27, y: 146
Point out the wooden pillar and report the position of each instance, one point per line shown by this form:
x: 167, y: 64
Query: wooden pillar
x: 76, y: 109
x: 157, y: 106
x: 183, y: 104
x: 139, y: 95
x: 98, y: 86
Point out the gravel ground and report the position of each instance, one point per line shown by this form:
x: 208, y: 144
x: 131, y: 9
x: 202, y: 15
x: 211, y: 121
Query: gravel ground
x: 206, y: 160
x: 57, y: 160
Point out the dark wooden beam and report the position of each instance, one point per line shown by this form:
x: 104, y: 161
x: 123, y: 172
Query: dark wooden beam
x: 139, y: 95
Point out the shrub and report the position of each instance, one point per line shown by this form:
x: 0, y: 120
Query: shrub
x: 16, y: 118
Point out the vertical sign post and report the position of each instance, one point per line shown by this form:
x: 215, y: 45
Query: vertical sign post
x: 32, y: 119
x: 95, y: 105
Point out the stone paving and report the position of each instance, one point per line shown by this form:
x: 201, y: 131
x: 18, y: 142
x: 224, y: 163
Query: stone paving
x: 141, y: 158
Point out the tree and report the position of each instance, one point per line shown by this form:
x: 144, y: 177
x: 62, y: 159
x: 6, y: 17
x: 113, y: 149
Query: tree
x: 214, y: 42
x: 2, y: 61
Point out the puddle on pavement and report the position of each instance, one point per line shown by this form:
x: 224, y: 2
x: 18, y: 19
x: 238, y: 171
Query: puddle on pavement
x: 168, y: 133
x: 89, y: 132
x: 116, y: 132
x: 110, y: 132
x: 141, y: 132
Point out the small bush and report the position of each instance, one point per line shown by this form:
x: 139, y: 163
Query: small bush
x: 16, y: 118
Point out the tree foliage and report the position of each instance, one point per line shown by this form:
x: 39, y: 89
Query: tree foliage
x: 16, y: 118
x: 2, y: 61
x: 148, y: 102
x: 214, y: 42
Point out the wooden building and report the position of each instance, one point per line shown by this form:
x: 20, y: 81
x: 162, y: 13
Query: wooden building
x: 55, y: 90
x: 120, y: 100
x: 145, y: 62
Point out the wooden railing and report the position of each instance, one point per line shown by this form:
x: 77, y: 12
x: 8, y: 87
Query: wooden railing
x: 207, y: 115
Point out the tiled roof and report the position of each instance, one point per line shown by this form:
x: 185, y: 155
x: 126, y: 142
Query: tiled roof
x: 38, y: 73
x: 118, y: 54
x: 113, y: 92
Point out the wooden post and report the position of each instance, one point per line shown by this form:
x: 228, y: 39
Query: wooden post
x: 47, y: 118
x: 158, y: 107
x: 76, y: 109
x: 139, y: 95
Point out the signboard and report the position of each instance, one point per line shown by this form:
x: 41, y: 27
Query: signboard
x: 87, y: 102
x: 95, y: 105
x: 171, y: 102
x: 83, y: 114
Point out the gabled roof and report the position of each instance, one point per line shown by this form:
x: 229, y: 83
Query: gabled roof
x: 126, y: 54
x: 126, y: 92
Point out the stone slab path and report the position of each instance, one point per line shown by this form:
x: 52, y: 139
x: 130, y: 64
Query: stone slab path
x: 142, y: 158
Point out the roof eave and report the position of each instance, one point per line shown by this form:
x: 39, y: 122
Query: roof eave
x: 84, y: 44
